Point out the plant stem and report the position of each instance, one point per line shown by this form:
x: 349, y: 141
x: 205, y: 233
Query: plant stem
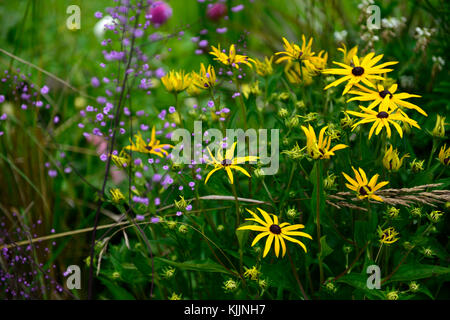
x: 318, y: 173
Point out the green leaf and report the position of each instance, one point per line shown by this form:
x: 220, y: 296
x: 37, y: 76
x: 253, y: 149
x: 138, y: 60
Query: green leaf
x: 317, y: 197
x: 326, y: 249
x: 196, y: 265
x: 359, y: 281
x: 118, y: 292
x: 415, y: 271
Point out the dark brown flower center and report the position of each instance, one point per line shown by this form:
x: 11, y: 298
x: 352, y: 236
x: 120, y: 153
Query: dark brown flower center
x: 446, y: 160
x: 363, y: 190
x: 149, y: 148
x: 384, y: 93
x: 226, y: 162
x: 357, y: 71
x: 382, y: 115
x: 275, y: 229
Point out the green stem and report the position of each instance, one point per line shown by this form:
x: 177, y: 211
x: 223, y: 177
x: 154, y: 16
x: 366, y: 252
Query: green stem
x: 318, y: 173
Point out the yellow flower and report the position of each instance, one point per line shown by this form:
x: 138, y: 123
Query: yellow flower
x: 348, y: 56
x: 175, y: 297
x: 176, y: 81
x: 363, y: 71
x: 232, y: 59
x: 391, y: 161
x: 252, y: 88
x: 263, y: 68
x: 393, y: 295
x: 293, y: 53
x: 363, y: 187
x: 206, y: 78
x: 385, y: 97
x: 387, y: 236
x: 153, y: 147
x: 444, y: 155
x: 439, y: 128
x: 320, y: 149
x: 298, y: 76
x: 317, y: 63
x: 382, y: 119
x: 122, y: 160
x: 252, y: 273
x: 228, y: 163
x: 116, y: 195
x: 277, y: 233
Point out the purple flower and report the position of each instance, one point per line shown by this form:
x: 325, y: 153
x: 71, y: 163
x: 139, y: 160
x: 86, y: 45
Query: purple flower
x: 210, y: 103
x: 159, y: 12
x: 95, y: 82
x: 237, y: 8
x: 98, y: 15
x: 172, y: 109
x: 221, y: 30
x: 103, y: 157
x: 216, y: 11
x: 52, y: 173
x: 2, y: 98
x: 45, y: 90
x: 154, y: 220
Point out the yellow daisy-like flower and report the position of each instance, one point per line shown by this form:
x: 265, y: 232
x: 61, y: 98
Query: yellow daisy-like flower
x: 277, y: 233
x: 387, y: 236
x: 153, y: 147
x: 228, y: 163
x: 206, y: 78
x: 385, y: 96
x: 293, y: 53
x: 363, y: 187
x: 382, y: 119
x: 232, y: 59
x: 296, y: 75
x: 391, y: 160
x: 348, y: 56
x: 122, y: 160
x: 363, y: 71
x: 444, y: 155
x: 263, y: 68
x: 116, y: 195
x: 317, y: 63
x: 320, y: 149
x: 176, y: 81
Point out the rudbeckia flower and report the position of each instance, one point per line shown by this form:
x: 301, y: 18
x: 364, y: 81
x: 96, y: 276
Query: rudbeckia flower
x: 293, y: 53
x: 348, y: 56
x: 277, y: 233
x: 232, y: 59
x: 116, y: 195
x: 153, y: 147
x: 363, y: 71
x: 385, y: 96
x: 206, y: 78
x: 381, y: 119
x: 444, y: 155
x: 228, y: 163
x: 391, y: 160
x: 263, y: 68
x: 363, y: 187
x: 176, y: 81
x: 320, y: 149
x: 387, y: 236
